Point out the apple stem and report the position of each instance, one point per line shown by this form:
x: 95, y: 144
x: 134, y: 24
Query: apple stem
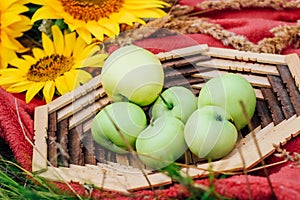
x: 151, y: 121
x: 169, y: 106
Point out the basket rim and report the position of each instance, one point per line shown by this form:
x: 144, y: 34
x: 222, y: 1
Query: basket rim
x: 267, y: 136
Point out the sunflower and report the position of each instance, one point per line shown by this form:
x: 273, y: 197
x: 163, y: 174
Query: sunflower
x: 56, y: 67
x: 12, y: 26
x: 99, y: 17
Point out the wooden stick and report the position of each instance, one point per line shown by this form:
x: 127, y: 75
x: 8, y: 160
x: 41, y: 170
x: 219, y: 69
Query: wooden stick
x: 293, y: 63
x: 88, y: 112
x: 79, y: 104
x: 240, y: 66
x: 68, y: 98
x: 259, y: 81
x: 246, y: 56
x: 40, y: 138
x: 182, y: 52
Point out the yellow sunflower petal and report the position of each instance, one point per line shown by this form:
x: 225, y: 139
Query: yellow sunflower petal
x: 17, y: 46
x: 39, y: 2
x: 79, y: 46
x: 6, y: 55
x: 71, y: 79
x: 73, y: 24
x: 95, y: 29
x: 155, y: 3
x: 47, y: 44
x: 58, y: 40
x: 29, y: 59
x: 124, y: 17
x: 142, y: 6
x: 20, y: 63
x: 7, y: 81
x: 9, y: 18
x: 33, y: 90
x: 113, y: 27
x: 7, y: 42
x: 85, y: 35
x: 18, y: 8
x: 107, y: 31
x: 61, y: 85
x: 5, y: 4
x: 70, y: 40
x: 84, y: 76
x: 38, y: 53
x: 12, y: 73
x: 19, y: 87
x: 88, y: 51
x: 23, y: 25
x: 153, y: 13
x: 49, y: 90
x: 44, y: 13
x: 7, y: 71
x: 95, y: 61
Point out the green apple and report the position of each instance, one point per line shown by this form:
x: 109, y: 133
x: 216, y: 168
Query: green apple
x: 115, y: 119
x: 162, y: 142
x: 132, y: 73
x: 176, y: 101
x: 209, y: 134
x: 228, y: 91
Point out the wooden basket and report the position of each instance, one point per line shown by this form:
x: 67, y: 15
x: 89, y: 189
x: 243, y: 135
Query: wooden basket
x: 65, y: 150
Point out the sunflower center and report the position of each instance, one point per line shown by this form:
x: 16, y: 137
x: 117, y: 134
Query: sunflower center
x: 49, y: 68
x: 91, y: 10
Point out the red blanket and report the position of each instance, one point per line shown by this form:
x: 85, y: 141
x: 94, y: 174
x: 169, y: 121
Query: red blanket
x: 263, y: 27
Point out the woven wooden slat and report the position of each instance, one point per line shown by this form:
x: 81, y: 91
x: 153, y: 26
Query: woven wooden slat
x: 282, y: 96
x: 89, y: 148
x: 52, y: 139
x: 75, y: 141
x: 291, y: 87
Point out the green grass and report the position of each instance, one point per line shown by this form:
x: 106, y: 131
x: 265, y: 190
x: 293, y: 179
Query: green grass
x: 17, y: 183
x: 197, y: 192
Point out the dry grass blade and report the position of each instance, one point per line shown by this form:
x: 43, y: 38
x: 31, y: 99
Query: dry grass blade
x: 259, y: 151
x: 293, y: 157
x: 245, y: 173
